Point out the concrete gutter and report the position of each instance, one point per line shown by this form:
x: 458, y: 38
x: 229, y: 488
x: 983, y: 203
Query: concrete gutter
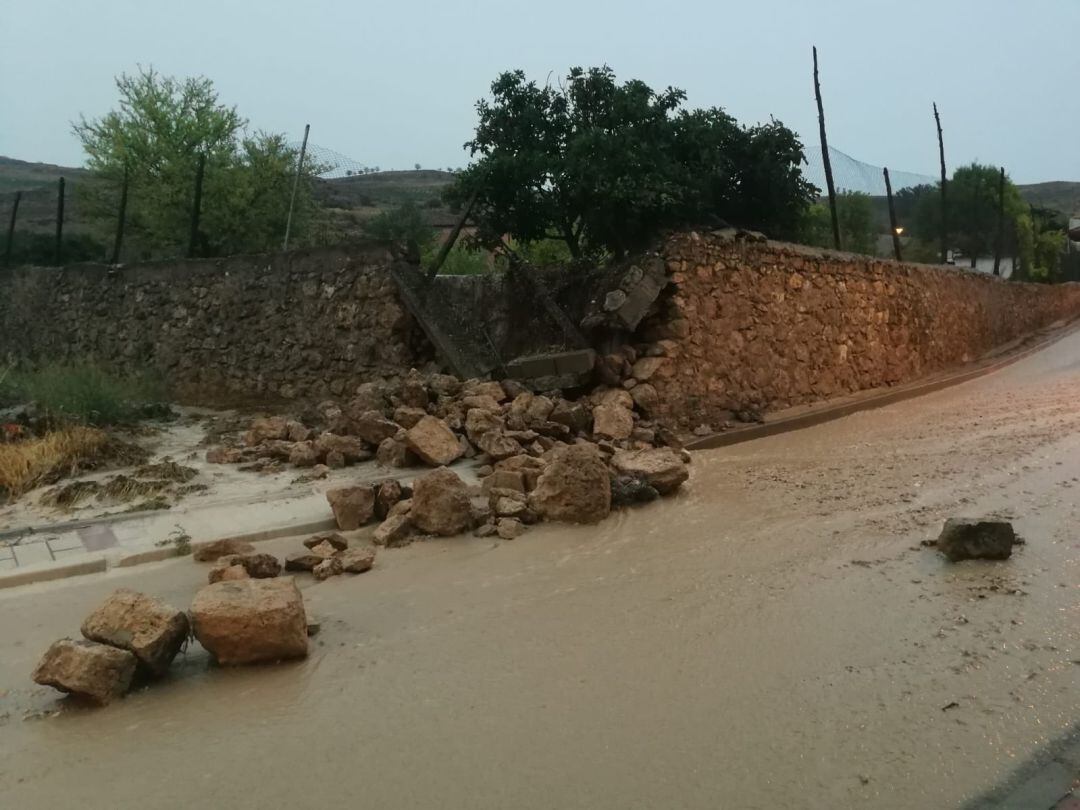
x: 879, y: 398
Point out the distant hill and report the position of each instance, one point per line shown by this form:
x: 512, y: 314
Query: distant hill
x: 1060, y: 195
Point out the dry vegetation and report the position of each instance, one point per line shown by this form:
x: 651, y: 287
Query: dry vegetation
x: 30, y: 463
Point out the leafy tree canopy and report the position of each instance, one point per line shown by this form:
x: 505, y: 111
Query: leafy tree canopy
x: 604, y: 166
x: 855, y: 211
x: 157, y: 133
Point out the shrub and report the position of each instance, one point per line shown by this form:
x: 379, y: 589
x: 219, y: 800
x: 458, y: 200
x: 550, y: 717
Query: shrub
x: 85, y: 393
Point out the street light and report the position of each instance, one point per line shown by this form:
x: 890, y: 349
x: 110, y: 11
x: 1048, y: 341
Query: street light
x: 899, y: 230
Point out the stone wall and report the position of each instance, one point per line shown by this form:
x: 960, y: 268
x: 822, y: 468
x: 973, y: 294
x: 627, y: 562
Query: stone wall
x: 769, y: 325
x: 309, y: 323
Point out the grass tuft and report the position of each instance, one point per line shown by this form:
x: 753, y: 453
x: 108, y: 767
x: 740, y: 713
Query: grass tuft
x: 83, y: 393
x: 27, y: 464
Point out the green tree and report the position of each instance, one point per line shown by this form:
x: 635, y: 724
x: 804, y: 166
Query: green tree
x: 972, y: 196
x: 603, y: 166
x: 158, y: 132
x: 855, y: 212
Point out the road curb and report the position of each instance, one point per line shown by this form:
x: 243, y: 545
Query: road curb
x: 324, y: 525
x: 828, y: 413
x: 46, y: 572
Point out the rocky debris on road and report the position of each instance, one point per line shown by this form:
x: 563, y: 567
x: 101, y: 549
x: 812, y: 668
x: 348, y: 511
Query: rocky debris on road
x: 333, y: 538
x: 147, y: 627
x: 226, y: 569
x: 96, y: 672
x: 540, y: 456
x: 352, y: 506
x: 209, y: 552
x: 966, y: 539
x: 251, y: 621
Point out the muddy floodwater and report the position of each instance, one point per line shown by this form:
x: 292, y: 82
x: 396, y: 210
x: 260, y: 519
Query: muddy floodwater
x: 774, y: 636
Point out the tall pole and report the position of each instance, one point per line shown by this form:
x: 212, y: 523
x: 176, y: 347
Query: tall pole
x: 295, y: 186
x: 999, y: 244
x: 444, y: 251
x: 944, y: 182
x: 892, y: 218
x: 825, y: 157
x: 11, y: 228
x: 120, y: 220
x: 195, y: 206
x: 59, y: 223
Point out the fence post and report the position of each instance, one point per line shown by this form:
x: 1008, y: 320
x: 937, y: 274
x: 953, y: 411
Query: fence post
x: 195, y: 206
x: 11, y: 228
x: 999, y: 244
x: 120, y: 221
x: 944, y: 182
x: 296, y: 185
x: 60, y: 224
x: 892, y: 218
x: 825, y: 157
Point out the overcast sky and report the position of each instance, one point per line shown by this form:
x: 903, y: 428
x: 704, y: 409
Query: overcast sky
x: 394, y: 83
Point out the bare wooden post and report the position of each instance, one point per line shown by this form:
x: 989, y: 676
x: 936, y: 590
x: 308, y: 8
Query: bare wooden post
x: 59, y: 254
x: 120, y: 220
x: 999, y: 244
x: 444, y: 251
x: 825, y: 157
x: 944, y: 182
x: 892, y: 218
x: 196, y: 205
x: 296, y: 185
x: 11, y: 228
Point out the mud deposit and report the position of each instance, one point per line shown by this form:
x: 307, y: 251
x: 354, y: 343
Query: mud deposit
x: 774, y: 636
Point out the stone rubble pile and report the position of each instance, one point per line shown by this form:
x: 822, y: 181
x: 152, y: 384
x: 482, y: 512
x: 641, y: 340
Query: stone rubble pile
x: 539, y: 456
x: 246, y: 615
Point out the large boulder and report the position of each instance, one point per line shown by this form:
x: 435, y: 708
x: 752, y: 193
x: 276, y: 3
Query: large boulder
x: 662, y: 468
x: 373, y: 427
x: 440, y: 503
x: 96, y: 672
x: 147, y: 627
x: 574, y: 487
x: 433, y: 442
x: 964, y: 539
x: 352, y: 506
x: 251, y: 621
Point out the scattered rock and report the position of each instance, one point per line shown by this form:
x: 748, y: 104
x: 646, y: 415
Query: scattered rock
x: 613, y: 421
x: 485, y: 530
x: 489, y: 389
x: 330, y: 567
x: 147, y: 627
x: 313, y: 626
x: 645, y: 397
x: 357, y: 560
x: 225, y: 571
x: 433, y: 442
x: 304, y: 560
x: 440, y: 503
x: 260, y: 565
x: 964, y: 539
x: 574, y: 415
x: 394, y: 530
x: 509, y: 528
x: 209, y: 552
x: 336, y: 541
x: 352, y: 506
x: 269, y: 429
x: 407, y: 417
x: 660, y: 467
x: 575, y: 487
x: 373, y: 427
x: 628, y: 490
x: 303, y: 454
x: 96, y: 672
x: 479, y: 421
x: 350, y: 448
x: 251, y: 621
x: 297, y: 431
x: 335, y: 460
x: 498, y: 445
x: 387, y: 494
x: 482, y: 403
x: 505, y: 479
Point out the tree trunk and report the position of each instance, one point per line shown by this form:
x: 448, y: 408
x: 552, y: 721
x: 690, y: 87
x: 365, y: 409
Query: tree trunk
x: 944, y: 181
x: 892, y: 218
x: 825, y: 157
x: 999, y: 243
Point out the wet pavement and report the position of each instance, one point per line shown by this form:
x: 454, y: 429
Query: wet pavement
x: 773, y: 636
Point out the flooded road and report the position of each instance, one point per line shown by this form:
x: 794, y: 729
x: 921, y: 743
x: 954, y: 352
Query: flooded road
x: 774, y: 636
